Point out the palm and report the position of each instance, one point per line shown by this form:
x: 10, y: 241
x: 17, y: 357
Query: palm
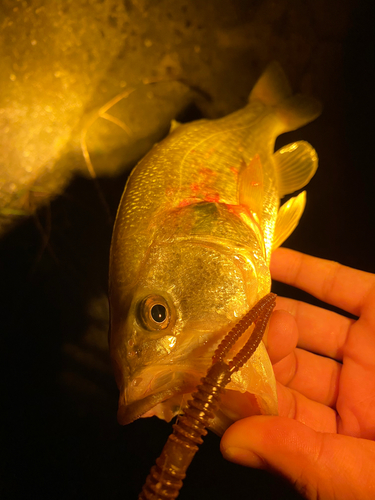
x: 324, y: 362
x: 325, y: 370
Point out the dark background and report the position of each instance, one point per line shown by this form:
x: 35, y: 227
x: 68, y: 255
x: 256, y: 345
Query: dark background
x: 59, y: 435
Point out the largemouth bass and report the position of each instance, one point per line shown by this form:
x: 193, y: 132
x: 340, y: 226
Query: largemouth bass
x: 191, y: 249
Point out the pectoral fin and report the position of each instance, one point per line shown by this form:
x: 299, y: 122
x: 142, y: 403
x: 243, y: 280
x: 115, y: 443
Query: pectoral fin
x: 295, y: 165
x: 288, y: 218
x: 251, y: 186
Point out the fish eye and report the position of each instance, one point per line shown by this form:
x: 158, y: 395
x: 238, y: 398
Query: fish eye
x: 154, y: 313
x: 158, y: 313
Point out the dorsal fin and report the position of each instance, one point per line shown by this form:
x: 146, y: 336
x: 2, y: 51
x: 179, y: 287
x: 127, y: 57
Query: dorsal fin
x: 295, y: 165
x: 297, y: 111
x: 251, y: 186
x: 174, y: 124
x: 273, y: 89
x: 288, y: 218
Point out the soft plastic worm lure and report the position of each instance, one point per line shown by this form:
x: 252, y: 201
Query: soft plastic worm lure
x: 165, y: 479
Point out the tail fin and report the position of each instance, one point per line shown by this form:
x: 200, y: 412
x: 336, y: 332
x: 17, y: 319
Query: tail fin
x: 273, y: 90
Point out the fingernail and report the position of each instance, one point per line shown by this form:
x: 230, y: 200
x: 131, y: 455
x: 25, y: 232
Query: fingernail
x: 243, y: 457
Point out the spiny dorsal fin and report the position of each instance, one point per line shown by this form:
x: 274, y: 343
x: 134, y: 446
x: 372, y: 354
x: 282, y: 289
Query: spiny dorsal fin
x: 295, y: 165
x: 288, y: 218
x: 251, y: 186
x: 174, y: 124
x: 273, y: 89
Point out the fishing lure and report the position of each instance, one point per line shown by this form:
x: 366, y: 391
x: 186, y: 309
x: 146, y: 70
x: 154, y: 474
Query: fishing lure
x: 165, y: 479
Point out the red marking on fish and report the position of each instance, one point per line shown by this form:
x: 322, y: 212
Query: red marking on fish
x: 184, y: 203
x: 207, y: 172
x: 239, y: 210
x: 214, y: 197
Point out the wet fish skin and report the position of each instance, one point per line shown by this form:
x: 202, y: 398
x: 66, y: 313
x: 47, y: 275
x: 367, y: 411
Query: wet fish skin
x: 192, y: 242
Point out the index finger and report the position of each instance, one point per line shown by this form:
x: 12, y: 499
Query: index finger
x: 328, y: 281
x: 319, y: 330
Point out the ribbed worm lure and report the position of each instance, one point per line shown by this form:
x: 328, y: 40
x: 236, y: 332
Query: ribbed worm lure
x: 165, y: 479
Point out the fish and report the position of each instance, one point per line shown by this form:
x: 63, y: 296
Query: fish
x: 191, y: 246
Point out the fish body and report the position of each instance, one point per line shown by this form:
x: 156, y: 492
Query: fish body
x: 191, y: 249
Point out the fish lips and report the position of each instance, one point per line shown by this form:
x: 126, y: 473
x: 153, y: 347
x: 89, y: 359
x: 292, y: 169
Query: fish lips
x: 136, y: 402
x: 160, y: 390
x: 128, y: 413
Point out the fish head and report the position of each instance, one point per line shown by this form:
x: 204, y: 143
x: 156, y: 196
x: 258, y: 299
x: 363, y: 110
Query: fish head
x: 165, y: 328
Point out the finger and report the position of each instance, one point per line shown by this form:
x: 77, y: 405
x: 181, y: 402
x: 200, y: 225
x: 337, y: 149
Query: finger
x: 320, y: 465
x: 282, y: 335
x: 319, y: 330
x: 329, y: 281
x: 317, y: 416
x: 315, y: 377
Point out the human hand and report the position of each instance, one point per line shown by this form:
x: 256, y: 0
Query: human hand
x: 323, y: 442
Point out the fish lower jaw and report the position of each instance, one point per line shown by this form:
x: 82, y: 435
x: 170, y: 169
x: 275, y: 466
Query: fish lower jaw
x: 142, y: 408
x: 233, y: 406
x: 169, y: 408
x: 161, y: 395
x: 165, y: 395
x: 163, y: 398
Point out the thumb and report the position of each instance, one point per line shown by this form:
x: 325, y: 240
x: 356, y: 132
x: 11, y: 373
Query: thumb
x: 319, y: 465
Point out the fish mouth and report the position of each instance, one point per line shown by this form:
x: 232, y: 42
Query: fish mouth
x: 236, y: 406
x: 163, y: 390
x: 169, y: 402
x: 154, y: 390
x: 128, y: 413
